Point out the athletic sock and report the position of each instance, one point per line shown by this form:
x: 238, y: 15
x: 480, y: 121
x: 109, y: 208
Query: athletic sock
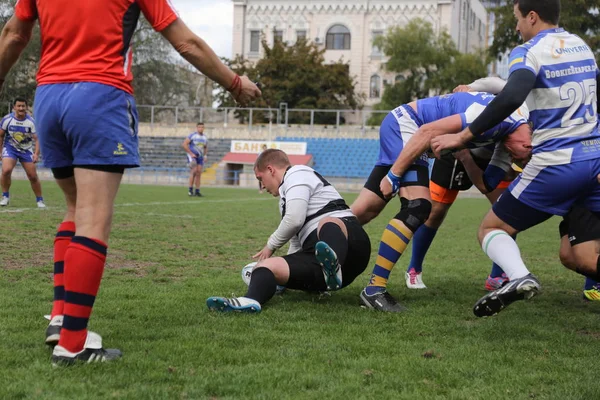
x: 394, y: 240
x: 262, y: 285
x: 589, y: 284
x: 420, y: 245
x: 496, y: 270
x: 332, y: 234
x: 197, y: 190
x: 503, y: 250
x: 190, y: 189
x: 5, y: 194
x: 66, y: 231
x: 84, y: 265
x: 39, y: 198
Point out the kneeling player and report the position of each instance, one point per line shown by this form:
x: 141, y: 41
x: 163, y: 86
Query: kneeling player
x: 448, y: 177
x: 328, y: 247
x: 580, y: 248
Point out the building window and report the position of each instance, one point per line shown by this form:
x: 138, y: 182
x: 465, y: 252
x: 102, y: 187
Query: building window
x: 375, y: 87
x: 399, y: 78
x: 300, y: 35
x: 338, y: 38
x: 277, y: 36
x: 375, y: 50
x: 254, y: 41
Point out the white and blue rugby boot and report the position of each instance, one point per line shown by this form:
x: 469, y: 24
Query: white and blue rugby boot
x: 233, y: 304
x: 332, y: 270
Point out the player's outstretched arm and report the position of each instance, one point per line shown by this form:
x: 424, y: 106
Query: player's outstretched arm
x: 418, y: 144
x: 473, y: 171
x: 13, y: 39
x: 489, y: 84
x: 200, y: 55
x: 296, y: 210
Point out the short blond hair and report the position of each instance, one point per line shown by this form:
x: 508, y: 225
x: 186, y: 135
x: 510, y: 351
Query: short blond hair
x: 274, y: 157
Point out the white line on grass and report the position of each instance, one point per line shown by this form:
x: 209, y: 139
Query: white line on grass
x: 153, y: 203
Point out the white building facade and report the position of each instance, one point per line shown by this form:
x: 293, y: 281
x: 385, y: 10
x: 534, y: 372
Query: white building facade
x: 346, y: 28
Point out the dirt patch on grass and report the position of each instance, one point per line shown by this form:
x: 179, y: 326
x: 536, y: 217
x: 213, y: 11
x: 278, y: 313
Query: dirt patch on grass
x: 584, y: 332
x: 116, y: 260
x: 23, y: 258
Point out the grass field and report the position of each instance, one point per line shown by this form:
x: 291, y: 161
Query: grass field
x: 168, y: 253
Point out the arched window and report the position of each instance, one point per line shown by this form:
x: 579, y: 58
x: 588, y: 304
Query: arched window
x: 375, y: 87
x: 399, y: 78
x: 338, y: 38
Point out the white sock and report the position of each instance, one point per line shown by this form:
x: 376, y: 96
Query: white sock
x: 503, y: 250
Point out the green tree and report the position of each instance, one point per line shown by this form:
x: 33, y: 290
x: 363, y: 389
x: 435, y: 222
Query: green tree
x: 297, y: 75
x: 21, y: 79
x: 430, y: 62
x: 577, y: 16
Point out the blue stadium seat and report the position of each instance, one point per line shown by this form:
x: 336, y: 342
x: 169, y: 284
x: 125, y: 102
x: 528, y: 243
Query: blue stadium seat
x: 343, y: 157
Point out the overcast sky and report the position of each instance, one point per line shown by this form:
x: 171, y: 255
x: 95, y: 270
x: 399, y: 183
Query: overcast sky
x: 212, y: 20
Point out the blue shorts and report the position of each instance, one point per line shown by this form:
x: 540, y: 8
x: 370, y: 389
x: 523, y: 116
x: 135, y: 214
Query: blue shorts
x: 193, y: 161
x: 22, y: 156
x: 544, y: 191
x: 394, y: 132
x: 86, y: 123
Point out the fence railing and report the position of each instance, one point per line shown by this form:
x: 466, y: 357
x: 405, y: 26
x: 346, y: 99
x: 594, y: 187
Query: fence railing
x: 259, y: 118
x: 179, y: 177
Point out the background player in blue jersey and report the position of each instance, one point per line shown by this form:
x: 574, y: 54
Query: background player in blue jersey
x: 405, y: 135
x: 17, y: 130
x: 557, y: 74
x: 196, y: 147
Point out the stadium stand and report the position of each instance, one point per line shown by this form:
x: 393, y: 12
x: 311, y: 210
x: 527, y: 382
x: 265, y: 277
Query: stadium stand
x: 343, y: 158
x: 166, y: 152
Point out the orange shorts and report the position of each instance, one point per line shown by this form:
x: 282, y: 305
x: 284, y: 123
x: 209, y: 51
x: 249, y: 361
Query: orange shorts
x: 503, y: 184
x: 448, y: 196
x: 442, y: 195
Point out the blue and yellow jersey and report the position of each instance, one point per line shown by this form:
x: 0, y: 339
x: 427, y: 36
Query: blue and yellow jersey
x: 197, y: 143
x: 18, y: 133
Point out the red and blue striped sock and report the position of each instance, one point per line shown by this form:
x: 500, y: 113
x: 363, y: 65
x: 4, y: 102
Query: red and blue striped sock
x: 84, y: 265
x: 66, y: 231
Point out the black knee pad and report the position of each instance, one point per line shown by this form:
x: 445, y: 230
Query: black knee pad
x: 414, y: 213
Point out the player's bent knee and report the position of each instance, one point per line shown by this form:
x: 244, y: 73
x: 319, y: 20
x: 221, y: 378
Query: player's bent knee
x: 567, y: 258
x: 33, y: 178
x: 414, y: 213
x: 278, y: 266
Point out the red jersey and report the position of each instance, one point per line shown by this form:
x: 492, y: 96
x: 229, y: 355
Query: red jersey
x: 89, y: 40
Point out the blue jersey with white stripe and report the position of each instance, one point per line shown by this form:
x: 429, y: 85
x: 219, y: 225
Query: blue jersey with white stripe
x: 469, y: 106
x: 562, y: 104
x: 197, y: 143
x: 18, y: 133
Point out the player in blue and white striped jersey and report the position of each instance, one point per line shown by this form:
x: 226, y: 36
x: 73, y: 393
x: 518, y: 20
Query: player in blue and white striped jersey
x: 17, y: 130
x: 556, y: 72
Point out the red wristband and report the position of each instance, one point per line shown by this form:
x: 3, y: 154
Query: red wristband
x: 235, y: 85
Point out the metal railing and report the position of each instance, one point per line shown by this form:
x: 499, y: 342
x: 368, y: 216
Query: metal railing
x: 252, y: 118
